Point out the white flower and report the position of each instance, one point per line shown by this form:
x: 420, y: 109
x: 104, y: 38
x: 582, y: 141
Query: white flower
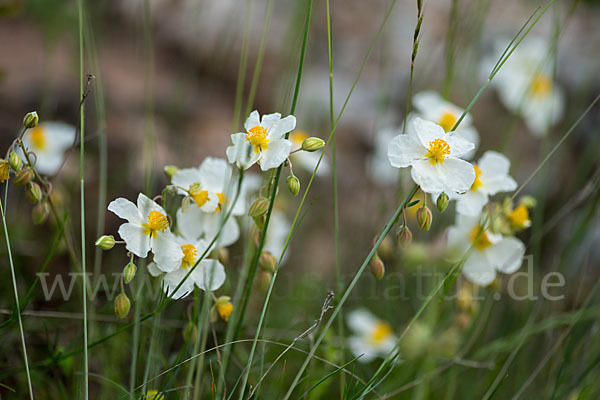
x: 372, y: 337
x: 194, y: 223
x: 430, y: 106
x: 491, y: 252
x: 264, y: 141
x: 526, y: 86
x: 491, y: 177
x: 305, y: 159
x: 433, y: 155
x: 209, y: 274
x: 378, y: 165
x: 147, y: 229
x: 277, y: 232
x: 49, y: 141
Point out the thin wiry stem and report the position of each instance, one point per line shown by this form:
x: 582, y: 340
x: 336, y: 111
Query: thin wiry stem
x: 413, y: 57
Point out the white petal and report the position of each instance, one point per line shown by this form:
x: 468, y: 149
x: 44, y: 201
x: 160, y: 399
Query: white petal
x: 279, y: 128
x: 361, y: 348
x: 507, y: 254
x: 241, y: 152
x: 125, y: 209
x: 211, y: 204
x: 403, y: 150
x: 209, y: 275
x: 478, y: 269
x: 185, y: 178
x: 470, y: 135
x: 459, y: 146
x: 361, y: 321
x: 60, y: 135
x: 458, y: 243
x: 458, y: 175
x: 153, y: 269
x: 428, y: 176
x: 471, y: 203
x: 493, y: 164
x: 252, y: 121
x: 277, y: 152
x: 230, y: 233
x: 428, y: 131
x: 189, y: 223
x: 167, y: 253
x: 145, y: 205
x: 172, y: 280
x: 136, y: 241
x: 215, y: 174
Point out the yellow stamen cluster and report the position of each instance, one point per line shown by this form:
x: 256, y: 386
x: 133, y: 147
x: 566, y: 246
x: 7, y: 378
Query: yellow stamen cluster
x: 519, y: 217
x: 157, y: 222
x: 541, y: 86
x: 479, y: 238
x: 447, y: 121
x: 380, y: 333
x: 4, y: 170
x: 38, y: 137
x: 438, y: 150
x: 199, y: 196
x: 189, y: 255
x: 224, y: 309
x: 222, y: 201
x: 257, y: 137
x: 477, y: 182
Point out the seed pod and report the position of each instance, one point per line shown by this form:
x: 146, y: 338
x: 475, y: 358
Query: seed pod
x: 23, y: 177
x: 442, y: 202
x: 377, y: 267
x: 293, y: 184
x: 122, y: 305
x: 34, y: 192
x: 424, y: 218
x: 106, y: 242
x: 170, y: 170
x: 312, y: 144
x: 30, y: 120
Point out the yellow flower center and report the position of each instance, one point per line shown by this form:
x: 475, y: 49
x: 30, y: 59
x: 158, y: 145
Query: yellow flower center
x: 257, y: 137
x: 157, y: 222
x: 479, y: 238
x: 222, y: 201
x: 4, y: 170
x: 447, y: 121
x: 519, y: 217
x: 541, y: 86
x: 224, y: 310
x: 380, y: 333
x: 189, y: 255
x: 199, y: 196
x: 438, y: 150
x: 477, y: 182
x: 297, y: 137
x: 38, y: 137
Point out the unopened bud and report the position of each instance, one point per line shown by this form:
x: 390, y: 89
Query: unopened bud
x: 267, y: 262
x: 122, y: 305
x: 312, y: 144
x: 222, y: 308
x: 259, y: 207
x: 377, y: 267
x: 23, y: 177
x: 424, y: 218
x: 34, y: 192
x: 15, y: 161
x: 30, y: 120
x: 442, y: 202
x: 260, y: 221
x: 264, y: 280
x: 40, y: 213
x: 528, y: 201
x: 129, y: 272
x: 404, y: 236
x: 223, y: 255
x: 170, y: 170
x: 293, y: 184
x: 106, y: 242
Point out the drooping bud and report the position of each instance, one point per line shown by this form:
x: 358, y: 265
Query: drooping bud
x: 312, y: 144
x: 377, y: 267
x: 15, y: 161
x: 222, y: 308
x: 293, y: 184
x: 40, y: 213
x: 267, y: 262
x: 106, y: 242
x: 404, y: 236
x: 34, y: 192
x: 259, y: 207
x: 129, y: 272
x: 170, y: 170
x: 260, y: 221
x: 30, y: 120
x: 4, y: 170
x: 424, y: 218
x: 23, y: 177
x: 122, y: 305
x: 442, y: 202
x: 264, y: 280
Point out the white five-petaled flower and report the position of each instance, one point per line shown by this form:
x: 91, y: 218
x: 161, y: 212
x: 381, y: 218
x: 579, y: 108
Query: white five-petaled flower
x: 430, y: 106
x: 305, y: 159
x: 526, y: 86
x: 372, y: 337
x: 209, y: 274
x: 491, y: 252
x: 491, y: 177
x: 147, y: 229
x: 433, y: 155
x: 263, y: 142
x: 49, y: 141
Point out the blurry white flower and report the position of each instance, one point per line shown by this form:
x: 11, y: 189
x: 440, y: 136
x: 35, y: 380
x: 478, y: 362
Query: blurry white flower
x: 430, y: 106
x: 491, y: 252
x: 147, y: 229
x: 433, y: 155
x: 378, y: 165
x: 372, y: 337
x: 264, y: 141
x: 208, y: 275
x: 277, y: 232
x: 526, y: 86
x: 305, y: 159
x: 491, y: 177
x: 49, y: 141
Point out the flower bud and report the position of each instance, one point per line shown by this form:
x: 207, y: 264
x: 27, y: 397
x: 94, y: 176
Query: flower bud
x: 30, y: 120
x: 264, y: 280
x: 404, y: 236
x: 170, y: 170
x: 40, y: 213
x: 293, y: 184
x: 259, y: 207
x: 267, y: 262
x: 15, y: 161
x: 528, y: 201
x: 129, y: 272
x: 34, y: 192
x: 223, y: 255
x: 4, y: 170
x: 106, y: 242
x: 424, y: 218
x: 377, y: 267
x: 442, y: 202
x: 23, y: 177
x: 312, y: 144
x: 222, y: 308
x: 122, y: 305
x: 260, y: 221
